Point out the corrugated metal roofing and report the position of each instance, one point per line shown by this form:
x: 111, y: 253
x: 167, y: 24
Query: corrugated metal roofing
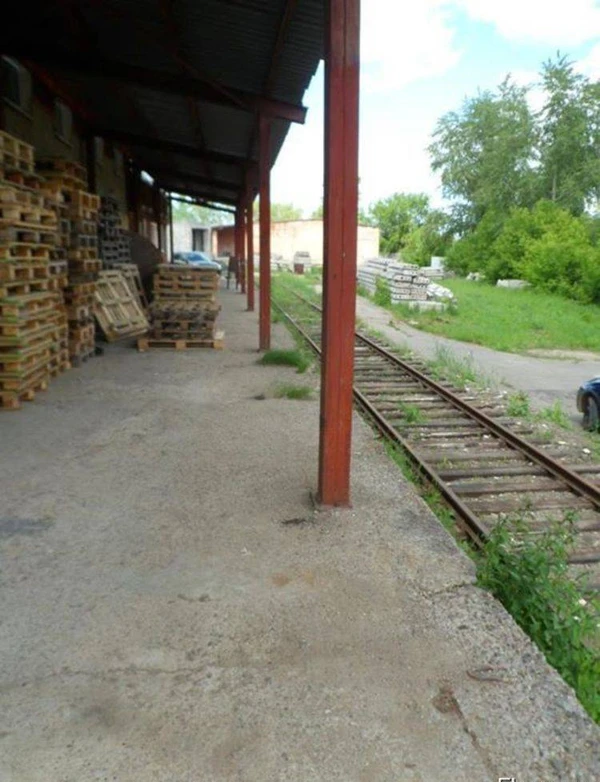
x: 229, y: 45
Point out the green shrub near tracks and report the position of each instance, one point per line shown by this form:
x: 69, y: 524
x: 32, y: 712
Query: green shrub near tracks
x: 529, y: 575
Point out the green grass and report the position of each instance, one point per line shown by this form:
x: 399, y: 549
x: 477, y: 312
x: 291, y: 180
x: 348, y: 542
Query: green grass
x: 291, y: 391
x: 528, y: 574
x: 511, y: 320
x: 458, y: 370
x: 411, y: 413
x: 285, y: 358
x: 518, y: 405
x: 554, y: 414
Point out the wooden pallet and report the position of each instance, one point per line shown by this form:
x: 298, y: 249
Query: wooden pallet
x: 118, y: 310
x: 18, y: 307
x: 131, y: 273
x: 85, y: 266
x: 24, y: 178
x: 10, y: 272
x: 15, y: 366
x: 26, y: 233
x: 216, y: 342
x: 16, y: 153
x: 11, y: 400
x: 60, y: 165
x: 13, y: 195
x: 24, y: 337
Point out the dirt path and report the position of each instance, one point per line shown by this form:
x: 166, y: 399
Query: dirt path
x: 544, y: 379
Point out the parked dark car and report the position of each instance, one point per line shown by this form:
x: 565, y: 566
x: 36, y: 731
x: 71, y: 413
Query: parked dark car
x: 197, y: 259
x: 588, y: 403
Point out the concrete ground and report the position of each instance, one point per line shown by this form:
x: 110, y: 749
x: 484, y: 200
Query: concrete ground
x: 173, y: 608
x: 546, y: 380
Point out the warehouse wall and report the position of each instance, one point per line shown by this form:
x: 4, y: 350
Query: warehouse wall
x: 37, y: 128
x: 291, y: 236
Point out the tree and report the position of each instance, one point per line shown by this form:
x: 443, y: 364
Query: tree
x: 432, y: 237
x: 396, y: 216
x: 188, y: 211
x: 280, y: 212
x: 569, y: 136
x: 485, y: 153
x: 317, y: 214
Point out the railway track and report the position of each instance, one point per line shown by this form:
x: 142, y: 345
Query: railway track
x: 485, y: 469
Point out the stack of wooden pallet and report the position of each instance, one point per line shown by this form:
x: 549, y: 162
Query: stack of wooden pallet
x: 114, y: 242
x: 184, y: 310
x: 77, y: 254
x: 32, y: 321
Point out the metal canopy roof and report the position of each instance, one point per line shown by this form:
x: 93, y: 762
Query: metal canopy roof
x: 179, y: 82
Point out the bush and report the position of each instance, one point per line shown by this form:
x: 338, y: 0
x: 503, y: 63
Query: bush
x: 382, y: 295
x: 546, y: 245
x: 472, y: 253
x: 529, y: 574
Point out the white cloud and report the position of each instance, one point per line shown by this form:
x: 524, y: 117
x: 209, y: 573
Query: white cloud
x: 536, y: 96
x: 403, y: 42
x: 590, y: 65
x: 553, y: 22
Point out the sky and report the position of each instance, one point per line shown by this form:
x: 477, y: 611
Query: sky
x: 419, y: 60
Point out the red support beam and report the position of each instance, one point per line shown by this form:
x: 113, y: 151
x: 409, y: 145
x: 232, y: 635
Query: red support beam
x: 250, y: 245
x: 240, y: 242
x: 264, y: 184
x: 171, y: 228
x: 339, y: 248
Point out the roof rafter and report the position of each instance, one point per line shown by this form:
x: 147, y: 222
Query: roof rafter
x: 162, y: 81
x: 199, y: 194
x: 160, y: 173
x: 159, y: 144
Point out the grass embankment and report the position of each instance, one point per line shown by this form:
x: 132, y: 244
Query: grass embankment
x: 511, y: 320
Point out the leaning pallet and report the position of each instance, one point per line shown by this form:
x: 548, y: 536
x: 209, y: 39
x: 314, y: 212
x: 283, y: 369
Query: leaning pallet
x: 131, y: 273
x: 184, y: 310
x: 118, y: 311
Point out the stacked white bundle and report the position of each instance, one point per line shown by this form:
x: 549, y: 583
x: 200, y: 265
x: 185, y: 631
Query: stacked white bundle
x: 406, y: 281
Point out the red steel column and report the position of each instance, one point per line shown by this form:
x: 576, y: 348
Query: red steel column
x: 264, y: 175
x: 250, y: 245
x: 242, y: 240
x: 236, y: 245
x: 171, y: 228
x: 339, y: 248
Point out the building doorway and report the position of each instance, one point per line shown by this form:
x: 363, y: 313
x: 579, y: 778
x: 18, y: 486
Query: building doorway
x: 199, y: 239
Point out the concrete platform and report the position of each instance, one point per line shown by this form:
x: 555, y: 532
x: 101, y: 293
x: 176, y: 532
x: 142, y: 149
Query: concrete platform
x: 173, y: 608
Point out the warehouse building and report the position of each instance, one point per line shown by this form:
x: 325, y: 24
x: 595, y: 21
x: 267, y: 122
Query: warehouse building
x: 289, y: 237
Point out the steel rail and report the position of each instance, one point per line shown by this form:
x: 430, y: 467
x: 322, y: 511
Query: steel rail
x: 575, y: 482
x: 470, y: 522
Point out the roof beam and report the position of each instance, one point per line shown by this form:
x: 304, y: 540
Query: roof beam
x: 202, y: 195
x: 160, y: 145
x: 157, y: 172
x: 282, y: 31
x: 202, y: 202
x: 172, y: 83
